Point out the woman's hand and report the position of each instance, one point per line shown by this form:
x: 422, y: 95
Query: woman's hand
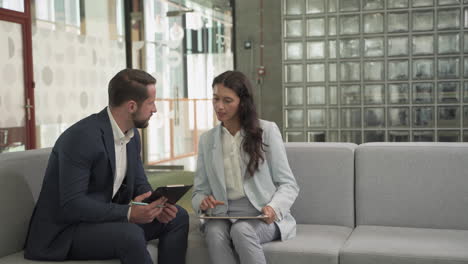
x: 270, y: 213
x: 209, y: 203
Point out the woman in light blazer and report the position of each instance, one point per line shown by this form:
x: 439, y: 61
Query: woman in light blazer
x: 242, y: 170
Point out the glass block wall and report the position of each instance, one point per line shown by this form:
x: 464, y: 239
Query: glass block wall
x: 375, y: 70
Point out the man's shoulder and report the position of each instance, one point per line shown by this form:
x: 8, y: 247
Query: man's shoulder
x: 87, y: 129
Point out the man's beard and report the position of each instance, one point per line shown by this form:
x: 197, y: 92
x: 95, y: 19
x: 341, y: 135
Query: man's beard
x: 139, y: 123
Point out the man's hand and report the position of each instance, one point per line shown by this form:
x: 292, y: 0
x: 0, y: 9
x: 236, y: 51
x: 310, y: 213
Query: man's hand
x: 209, y: 203
x: 270, y: 213
x: 168, y: 213
x: 142, y: 214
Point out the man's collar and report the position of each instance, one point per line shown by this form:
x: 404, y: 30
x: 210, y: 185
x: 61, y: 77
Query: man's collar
x: 116, y: 131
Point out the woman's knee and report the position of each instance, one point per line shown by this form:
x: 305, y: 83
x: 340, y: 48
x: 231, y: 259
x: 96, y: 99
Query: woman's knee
x: 216, y: 231
x: 241, y: 231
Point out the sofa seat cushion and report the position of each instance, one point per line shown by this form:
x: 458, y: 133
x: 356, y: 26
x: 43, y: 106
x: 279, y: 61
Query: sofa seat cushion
x: 403, y: 245
x: 18, y: 258
x: 312, y: 244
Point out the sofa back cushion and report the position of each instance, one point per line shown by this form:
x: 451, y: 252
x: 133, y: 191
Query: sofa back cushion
x: 412, y: 185
x: 325, y: 175
x: 21, y: 175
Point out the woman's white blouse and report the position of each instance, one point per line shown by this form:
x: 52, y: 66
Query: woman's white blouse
x: 232, y: 160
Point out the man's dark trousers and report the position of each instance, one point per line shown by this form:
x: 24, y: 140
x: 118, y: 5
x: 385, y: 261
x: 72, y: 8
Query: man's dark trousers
x: 127, y: 241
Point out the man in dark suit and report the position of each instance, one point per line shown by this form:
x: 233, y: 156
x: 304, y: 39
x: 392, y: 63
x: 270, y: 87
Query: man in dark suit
x: 94, y: 171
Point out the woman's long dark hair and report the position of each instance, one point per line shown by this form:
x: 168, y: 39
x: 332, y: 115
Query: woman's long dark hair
x: 252, y: 143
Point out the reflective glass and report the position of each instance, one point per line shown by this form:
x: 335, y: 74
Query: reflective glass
x: 293, y: 50
x: 398, y: 136
x: 465, y: 92
x: 449, y: 43
x: 350, y: 118
x: 397, y: 22
x: 333, y: 118
x: 316, y: 117
x: 448, y: 136
x: 423, y: 93
x: 350, y: 95
x: 448, y: 92
x: 315, y: 50
x: 397, y: 46
x: 293, y: 73
x: 294, y: 96
x: 397, y: 3
x: 465, y: 118
x: 349, y: 48
x: 349, y: 25
x: 293, y: 7
x: 294, y: 137
x: 332, y: 26
x: 316, y: 95
x: 398, y: 70
x: 349, y: 5
x: 374, y: 136
x: 373, y: 94
x: 294, y: 118
x: 448, y: 116
x: 293, y: 28
x: 315, y: 27
x: 373, y: 4
x: 373, y: 47
x: 315, y: 6
x: 373, y: 23
x: 398, y: 93
x: 423, y: 116
x: 332, y: 70
x: 373, y: 70
x: 350, y: 71
x: 351, y: 137
x: 316, y: 136
x: 423, y: 20
x: 423, y: 69
x: 316, y: 72
x: 448, y: 2
x: 418, y: 3
x: 333, y: 95
x: 449, y: 19
x: 423, y: 45
x: 449, y: 68
x: 423, y: 136
x: 332, y: 49
x: 398, y: 117
x: 374, y: 117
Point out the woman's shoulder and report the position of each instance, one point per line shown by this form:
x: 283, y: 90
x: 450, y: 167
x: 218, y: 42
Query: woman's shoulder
x: 267, y: 125
x: 210, y: 134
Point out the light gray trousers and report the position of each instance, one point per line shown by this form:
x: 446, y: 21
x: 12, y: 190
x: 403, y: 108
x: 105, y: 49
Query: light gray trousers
x: 233, y: 242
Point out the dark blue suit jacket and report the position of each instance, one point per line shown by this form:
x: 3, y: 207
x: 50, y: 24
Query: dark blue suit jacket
x: 78, y: 185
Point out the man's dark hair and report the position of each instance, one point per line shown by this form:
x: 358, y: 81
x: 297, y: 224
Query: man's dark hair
x: 129, y: 84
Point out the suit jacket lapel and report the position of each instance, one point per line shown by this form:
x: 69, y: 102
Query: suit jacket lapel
x: 108, y: 138
x: 217, y: 153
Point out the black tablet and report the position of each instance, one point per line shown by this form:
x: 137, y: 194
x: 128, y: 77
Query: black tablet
x: 172, y: 192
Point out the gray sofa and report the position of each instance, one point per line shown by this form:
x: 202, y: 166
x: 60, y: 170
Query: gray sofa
x: 373, y: 203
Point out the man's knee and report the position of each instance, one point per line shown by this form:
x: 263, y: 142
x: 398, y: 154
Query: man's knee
x: 129, y: 235
x: 182, y: 215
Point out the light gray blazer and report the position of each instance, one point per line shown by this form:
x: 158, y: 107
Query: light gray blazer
x: 272, y: 184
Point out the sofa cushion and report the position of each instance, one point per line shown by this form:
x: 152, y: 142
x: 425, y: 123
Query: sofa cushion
x: 379, y: 244
x: 16, y: 195
x: 18, y: 258
x: 313, y: 244
x: 325, y: 175
x: 422, y: 185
